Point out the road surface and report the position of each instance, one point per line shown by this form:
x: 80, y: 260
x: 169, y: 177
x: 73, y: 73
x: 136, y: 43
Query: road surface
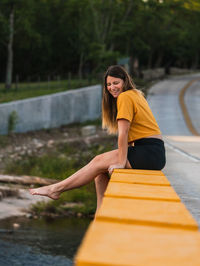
x: 182, y: 147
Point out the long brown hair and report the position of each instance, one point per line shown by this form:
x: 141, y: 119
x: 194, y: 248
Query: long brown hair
x: 109, y: 103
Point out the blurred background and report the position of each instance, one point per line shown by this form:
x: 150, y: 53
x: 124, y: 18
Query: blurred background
x: 55, y: 46
x: 56, y: 40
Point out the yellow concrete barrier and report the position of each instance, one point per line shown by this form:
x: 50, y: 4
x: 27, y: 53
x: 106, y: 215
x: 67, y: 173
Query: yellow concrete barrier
x: 144, y: 179
x: 141, y: 222
x: 138, y: 171
x: 137, y: 191
x: 147, y: 212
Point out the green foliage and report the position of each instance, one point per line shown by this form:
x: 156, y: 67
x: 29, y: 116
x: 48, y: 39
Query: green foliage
x: 85, y: 198
x: 60, y: 164
x: 34, y: 89
x: 84, y: 37
x: 12, y: 121
x: 3, y: 141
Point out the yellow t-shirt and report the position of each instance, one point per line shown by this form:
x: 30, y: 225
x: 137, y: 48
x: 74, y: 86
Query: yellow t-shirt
x: 132, y: 106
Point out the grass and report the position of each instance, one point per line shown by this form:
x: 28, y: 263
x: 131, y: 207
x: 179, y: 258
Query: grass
x: 85, y: 198
x: 61, y: 163
x: 26, y: 90
x: 33, y: 89
x: 4, y: 141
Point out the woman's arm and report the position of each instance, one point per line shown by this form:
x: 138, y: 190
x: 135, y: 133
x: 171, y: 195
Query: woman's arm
x: 123, y: 128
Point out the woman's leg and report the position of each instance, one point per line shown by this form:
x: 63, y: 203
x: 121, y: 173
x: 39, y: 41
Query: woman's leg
x: 82, y: 177
x: 101, y: 182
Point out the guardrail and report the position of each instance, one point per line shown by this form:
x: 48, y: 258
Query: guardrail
x: 142, y: 221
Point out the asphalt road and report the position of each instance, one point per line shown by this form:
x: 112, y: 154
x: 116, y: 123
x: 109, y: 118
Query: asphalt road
x: 182, y: 147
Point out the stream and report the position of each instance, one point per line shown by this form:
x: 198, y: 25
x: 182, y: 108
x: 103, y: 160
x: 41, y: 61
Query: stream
x: 40, y: 241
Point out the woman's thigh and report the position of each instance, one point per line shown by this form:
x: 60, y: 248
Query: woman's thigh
x: 108, y: 158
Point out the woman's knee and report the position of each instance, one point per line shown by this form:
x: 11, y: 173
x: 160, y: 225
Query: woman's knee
x: 97, y: 160
x: 102, y: 161
x: 97, y: 157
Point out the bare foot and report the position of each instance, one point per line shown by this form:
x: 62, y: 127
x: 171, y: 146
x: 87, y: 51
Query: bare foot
x: 45, y: 191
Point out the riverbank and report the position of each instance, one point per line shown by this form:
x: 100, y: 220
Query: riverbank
x: 54, y: 154
x: 17, y: 201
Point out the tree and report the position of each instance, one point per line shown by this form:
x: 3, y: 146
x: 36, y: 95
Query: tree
x: 13, y: 15
x: 9, y: 68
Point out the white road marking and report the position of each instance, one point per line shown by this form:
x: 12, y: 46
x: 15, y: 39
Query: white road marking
x: 180, y: 151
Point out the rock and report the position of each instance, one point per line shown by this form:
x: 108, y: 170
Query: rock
x: 88, y: 130
x: 29, y: 215
x: 24, y: 147
x: 7, y: 191
x: 69, y: 205
x: 12, y: 156
x: 16, y: 226
x: 151, y: 74
x: 29, y: 152
x: 177, y: 71
x: 50, y: 143
x: 25, y: 180
x: 37, y: 143
x: 23, y: 152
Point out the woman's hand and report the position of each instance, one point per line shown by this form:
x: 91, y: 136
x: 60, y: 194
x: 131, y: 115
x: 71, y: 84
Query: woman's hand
x: 115, y: 166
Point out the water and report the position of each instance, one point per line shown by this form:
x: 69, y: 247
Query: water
x: 40, y: 241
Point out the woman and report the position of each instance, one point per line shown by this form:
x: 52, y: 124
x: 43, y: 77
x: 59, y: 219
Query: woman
x: 140, y: 145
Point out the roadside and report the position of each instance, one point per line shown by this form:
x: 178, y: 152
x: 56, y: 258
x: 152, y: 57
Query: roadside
x: 13, y: 147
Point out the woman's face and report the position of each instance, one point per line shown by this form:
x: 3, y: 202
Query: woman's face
x: 115, y: 86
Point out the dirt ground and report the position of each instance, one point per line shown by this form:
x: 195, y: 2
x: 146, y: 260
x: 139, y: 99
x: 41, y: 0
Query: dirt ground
x: 15, y: 146
x: 15, y: 200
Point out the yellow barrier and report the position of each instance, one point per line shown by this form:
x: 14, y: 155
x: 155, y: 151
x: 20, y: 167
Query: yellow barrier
x: 141, y: 222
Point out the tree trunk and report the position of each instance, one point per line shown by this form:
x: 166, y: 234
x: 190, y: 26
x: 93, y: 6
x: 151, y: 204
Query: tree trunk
x: 9, y: 68
x: 80, y: 67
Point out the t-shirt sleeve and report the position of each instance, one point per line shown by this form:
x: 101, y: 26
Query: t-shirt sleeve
x: 125, y: 107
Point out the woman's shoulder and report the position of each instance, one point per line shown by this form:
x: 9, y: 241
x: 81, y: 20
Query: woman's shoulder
x: 129, y: 94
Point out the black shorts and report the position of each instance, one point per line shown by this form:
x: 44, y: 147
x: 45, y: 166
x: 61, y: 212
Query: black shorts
x: 147, y: 153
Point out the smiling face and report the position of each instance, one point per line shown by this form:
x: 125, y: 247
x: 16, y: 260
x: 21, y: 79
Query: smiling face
x: 115, y: 86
